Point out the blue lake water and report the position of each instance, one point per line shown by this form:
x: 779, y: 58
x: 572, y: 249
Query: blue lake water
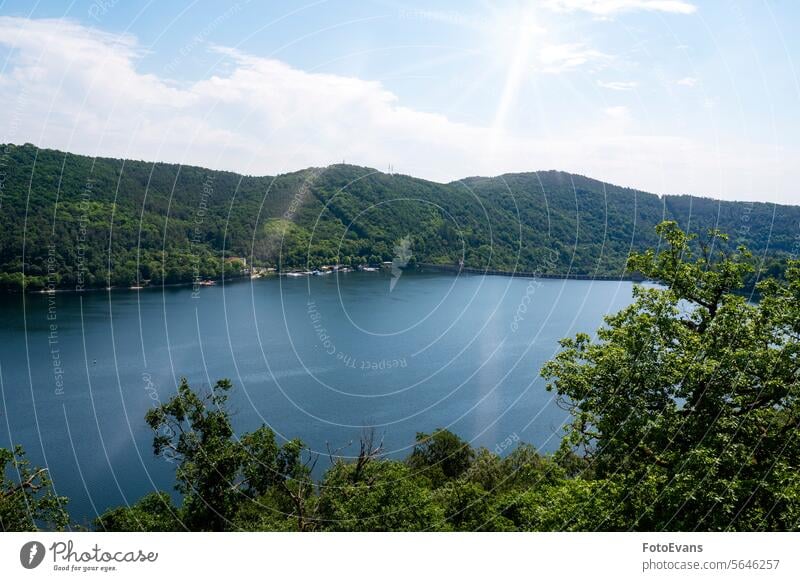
x: 317, y: 358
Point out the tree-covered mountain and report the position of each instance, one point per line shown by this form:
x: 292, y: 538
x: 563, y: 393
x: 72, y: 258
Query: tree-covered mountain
x: 73, y: 221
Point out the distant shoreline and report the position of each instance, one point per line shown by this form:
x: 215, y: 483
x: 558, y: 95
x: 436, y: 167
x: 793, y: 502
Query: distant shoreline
x: 449, y: 268
x: 531, y: 274
x: 120, y: 288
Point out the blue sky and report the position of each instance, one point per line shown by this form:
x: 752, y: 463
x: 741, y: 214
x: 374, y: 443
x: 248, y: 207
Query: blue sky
x: 670, y: 96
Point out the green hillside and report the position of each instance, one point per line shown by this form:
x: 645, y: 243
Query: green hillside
x: 73, y: 221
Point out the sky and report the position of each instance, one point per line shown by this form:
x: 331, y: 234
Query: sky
x: 667, y: 96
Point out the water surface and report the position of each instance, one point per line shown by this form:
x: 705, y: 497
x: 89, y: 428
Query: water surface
x: 317, y: 358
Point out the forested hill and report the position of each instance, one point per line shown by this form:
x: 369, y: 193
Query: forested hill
x: 69, y: 220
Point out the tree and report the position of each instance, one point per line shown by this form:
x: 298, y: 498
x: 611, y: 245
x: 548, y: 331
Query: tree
x: 153, y: 513
x: 567, y: 505
x: 385, y: 496
x: 470, y: 507
x: 27, y: 499
x: 686, y: 402
x: 196, y: 430
x: 218, y: 475
x: 440, y: 456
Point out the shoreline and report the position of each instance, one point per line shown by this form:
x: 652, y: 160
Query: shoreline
x: 532, y: 274
x: 123, y: 288
x: 448, y: 268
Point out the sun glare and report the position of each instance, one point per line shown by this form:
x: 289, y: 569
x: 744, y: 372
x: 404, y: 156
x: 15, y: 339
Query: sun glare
x: 514, y: 39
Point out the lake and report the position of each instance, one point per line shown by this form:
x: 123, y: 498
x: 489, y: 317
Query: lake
x: 315, y: 358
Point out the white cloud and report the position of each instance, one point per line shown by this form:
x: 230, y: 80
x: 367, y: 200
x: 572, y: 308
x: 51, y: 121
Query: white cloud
x: 709, y: 102
x: 78, y: 89
x: 610, y: 7
x: 618, y: 112
x: 558, y: 58
x: 618, y: 85
x: 687, y: 82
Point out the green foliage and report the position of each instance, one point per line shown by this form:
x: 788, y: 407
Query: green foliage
x: 197, y: 431
x: 568, y: 505
x: 27, y: 499
x: 152, y: 513
x: 688, y: 397
x: 251, y: 483
x: 89, y: 223
x: 470, y: 507
x: 440, y: 457
x: 384, y: 496
x: 218, y: 476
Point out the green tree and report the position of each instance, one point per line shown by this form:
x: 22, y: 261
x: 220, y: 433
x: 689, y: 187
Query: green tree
x: 27, y: 499
x: 567, y: 505
x: 152, y: 513
x: 440, y: 456
x: 470, y: 507
x: 196, y: 430
x: 218, y: 475
x: 687, y: 399
x: 383, y: 495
